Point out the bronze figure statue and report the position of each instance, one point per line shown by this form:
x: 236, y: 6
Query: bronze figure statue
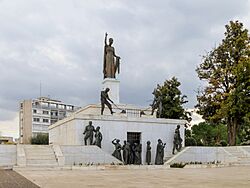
x: 148, y: 153
x: 98, y: 137
x: 89, y: 132
x: 137, y: 152
x: 111, y: 62
x: 118, y: 147
x: 159, y: 153
x: 177, y: 143
x: 157, y: 103
x: 126, y: 152
x: 105, y: 101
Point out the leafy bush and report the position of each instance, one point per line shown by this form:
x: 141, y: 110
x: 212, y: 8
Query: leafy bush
x: 245, y: 143
x: 223, y: 143
x: 177, y: 165
x: 190, y: 141
x: 40, y: 139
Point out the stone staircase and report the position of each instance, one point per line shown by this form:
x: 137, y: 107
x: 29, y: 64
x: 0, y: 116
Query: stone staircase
x: 40, y: 155
x: 242, y: 156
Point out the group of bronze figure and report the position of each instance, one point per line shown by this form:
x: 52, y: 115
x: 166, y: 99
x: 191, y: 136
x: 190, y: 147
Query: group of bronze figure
x: 89, y: 134
x: 130, y: 153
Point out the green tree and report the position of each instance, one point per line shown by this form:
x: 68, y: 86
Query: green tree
x: 209, y: 134
x: 171, y: 100
x: 40, y: 139
x: 226, y: 69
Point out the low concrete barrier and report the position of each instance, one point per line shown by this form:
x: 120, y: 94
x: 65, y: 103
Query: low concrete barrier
x: 8, y: 155
x: 203, y: 155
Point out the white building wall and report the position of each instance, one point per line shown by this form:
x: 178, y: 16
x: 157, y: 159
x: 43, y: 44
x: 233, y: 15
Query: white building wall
x: 70, y: 132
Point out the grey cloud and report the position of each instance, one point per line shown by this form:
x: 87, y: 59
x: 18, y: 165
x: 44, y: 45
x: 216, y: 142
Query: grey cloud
x: 60, y: 43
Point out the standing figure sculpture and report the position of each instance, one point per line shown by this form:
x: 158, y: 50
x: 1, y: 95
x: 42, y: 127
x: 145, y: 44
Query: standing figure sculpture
x: 177, y: 143
x: 98, y: 137
x: 148, y: 153
x: 89, y: 132
x: 159, y: 153
x: 126, y: 152
x: 105, y: 101
x: 118, y: 148
x: 137, y: 157
x: 157, y: 103
x: 111, y: 62
x: 132, y: 153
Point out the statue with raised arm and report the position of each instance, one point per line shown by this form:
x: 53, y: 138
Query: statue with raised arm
x: 118, y: 148
x: 111, y: 62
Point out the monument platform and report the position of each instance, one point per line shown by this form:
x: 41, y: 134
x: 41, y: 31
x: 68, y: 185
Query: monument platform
x: 130, y: 126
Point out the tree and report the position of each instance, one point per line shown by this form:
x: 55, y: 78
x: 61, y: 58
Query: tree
x: 209, y: 134
x: 40, y: 139
x: 226, y: 69
x: 169, y: 100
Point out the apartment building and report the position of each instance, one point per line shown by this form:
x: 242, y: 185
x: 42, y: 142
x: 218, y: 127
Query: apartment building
x: 36, y: 115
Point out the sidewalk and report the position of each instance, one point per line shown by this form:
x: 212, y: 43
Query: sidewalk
x: 229, y: 177
x: 11, y: 179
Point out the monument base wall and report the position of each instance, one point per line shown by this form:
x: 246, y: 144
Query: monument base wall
x: 70, y: 131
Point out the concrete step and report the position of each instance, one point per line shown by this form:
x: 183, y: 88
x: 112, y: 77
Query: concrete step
x: 43, y: 157
x: 42, y: 166
x: 38, y: 149
x: 40, y: 155
x: 41, y: 161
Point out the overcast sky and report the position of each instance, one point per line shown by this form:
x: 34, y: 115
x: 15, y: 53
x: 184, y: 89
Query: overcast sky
x: 60, y: 44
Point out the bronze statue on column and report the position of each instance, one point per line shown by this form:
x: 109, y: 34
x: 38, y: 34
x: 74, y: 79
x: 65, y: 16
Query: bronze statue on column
x: 111, y: 62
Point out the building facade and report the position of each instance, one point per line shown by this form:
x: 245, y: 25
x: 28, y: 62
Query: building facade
x: 36, y: 115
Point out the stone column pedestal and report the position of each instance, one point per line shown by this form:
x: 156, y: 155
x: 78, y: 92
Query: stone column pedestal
x: 114, y: 86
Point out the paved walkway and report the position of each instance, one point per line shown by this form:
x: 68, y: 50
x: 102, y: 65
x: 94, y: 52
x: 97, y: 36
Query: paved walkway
x: 229, y: 177
x: 11, y: 179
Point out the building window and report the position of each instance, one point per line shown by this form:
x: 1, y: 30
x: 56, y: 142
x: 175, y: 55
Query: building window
x: 45, y: 120
x: 36, y: 119
x: 34, y: 111
x: 45, y: 112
